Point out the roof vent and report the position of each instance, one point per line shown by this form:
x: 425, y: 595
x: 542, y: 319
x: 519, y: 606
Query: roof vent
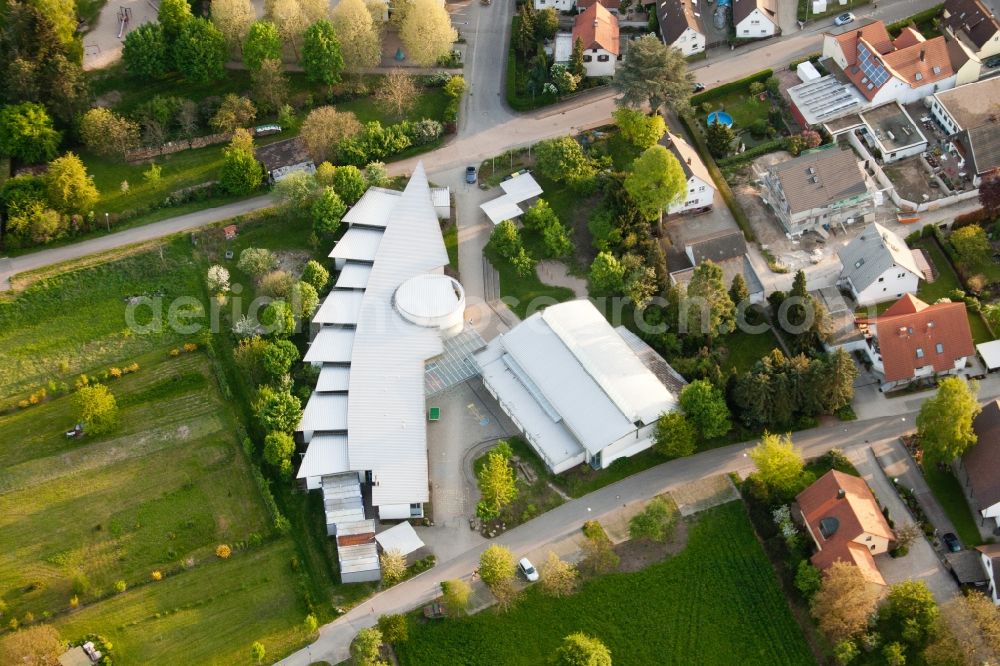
x: 840, y: 493
x: 923, y: 54
x: 810, y: 170
x: 918, y: 76
x: 814, y: 179
x: 930, y: 324
x: 937, y: 70
x: 689, y: 161
x: 828, y: 526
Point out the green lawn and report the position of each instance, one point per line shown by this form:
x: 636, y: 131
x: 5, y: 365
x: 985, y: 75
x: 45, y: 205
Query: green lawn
x: 717, y: 602
x: 520, y: 293
x: 949, y: 494
x: 745, y: 349
x: 946, y: 283
x: 451, y: 244
x: 741, y: 106
x: 430, y: 103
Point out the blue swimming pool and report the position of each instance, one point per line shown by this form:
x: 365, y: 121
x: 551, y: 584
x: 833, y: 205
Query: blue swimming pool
x: 720, y: 117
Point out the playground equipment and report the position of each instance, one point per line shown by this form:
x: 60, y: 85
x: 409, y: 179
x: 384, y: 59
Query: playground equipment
x: 124, y: 18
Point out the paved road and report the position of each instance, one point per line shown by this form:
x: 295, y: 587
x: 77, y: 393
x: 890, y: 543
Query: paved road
x: 154, y: 230
x: 334, y: 638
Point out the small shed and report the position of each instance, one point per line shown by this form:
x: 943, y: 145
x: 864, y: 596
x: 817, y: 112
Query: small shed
x: 502, y: 208
x: 284, y: 157
x: 75, y: 656
x: 807, y: 71
x: 990, y: 353
x: 401, y: 537
x: 967, y: 568
x: 441, y: 197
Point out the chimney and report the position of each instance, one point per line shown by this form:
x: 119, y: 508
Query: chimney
x: 923, y: 54
x: 840, y: 493
x: 689, y: 161
x: 859, y: 34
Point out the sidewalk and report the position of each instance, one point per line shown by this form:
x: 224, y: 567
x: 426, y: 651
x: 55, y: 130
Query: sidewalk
x: 897, y: 464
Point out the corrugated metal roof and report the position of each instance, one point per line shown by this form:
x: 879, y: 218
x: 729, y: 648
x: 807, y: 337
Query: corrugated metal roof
x: 401, y: 537
x: 500, y: 209
x: 521, y: 187
x: 333, y: 378
x: 441, y: 197
x: 327, y: 454
x: 340, y: 307
x: 373, y: 208
x: 358, y: 244
x: 325, y: 412
x: 353, y: 276
x: 354, y: 559
x: 331, y: 345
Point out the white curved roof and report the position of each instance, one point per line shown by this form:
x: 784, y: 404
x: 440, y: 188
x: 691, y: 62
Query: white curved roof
x: 428, y: 296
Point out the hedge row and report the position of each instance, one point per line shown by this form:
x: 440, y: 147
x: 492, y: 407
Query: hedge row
x: 814, y: 58
x: 720, y: 181
x: 756, y: 151
x: 732, y: 86
x: 917, y: 19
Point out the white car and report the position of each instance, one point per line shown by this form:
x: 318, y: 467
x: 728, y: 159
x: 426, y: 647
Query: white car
x: 844, y: 19
x: 528, y: 571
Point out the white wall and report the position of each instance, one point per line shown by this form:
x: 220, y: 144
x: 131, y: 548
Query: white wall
x: 880, y: 542
x: 560, y: 5
x: 628, y: 445
x: 900, y: 91
x: 988, y: 567
x: 942, y: 115
x: 699, y: 194
x: 597, y: 67
x: 892, y: 284
x: 755, y: 25
x: 690, y: 42
x: 993, y: 512
x: 396, y: 512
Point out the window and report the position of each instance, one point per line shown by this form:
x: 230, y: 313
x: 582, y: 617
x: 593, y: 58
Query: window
x: 901, y: 275
x: 587, y: 58
x: 701, y: 189
x: 416, y: 510
x: 746, y: 32
x: 602, y: 58
x: 754, y: 22
x: 882, y: 279
x: 920, y: 352
x: 868, y: 539
x: 691, y: 191
x: 939, y: 348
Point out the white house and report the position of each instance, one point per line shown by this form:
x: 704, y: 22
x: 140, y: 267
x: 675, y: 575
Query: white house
x: 558, y: 5
x: 681, y: 25
x: 597, y: 29
x: 878, y: 266
x: 700, y: 188
x: 579, y: 390
x: 990, y: 555
x: 755, y: 19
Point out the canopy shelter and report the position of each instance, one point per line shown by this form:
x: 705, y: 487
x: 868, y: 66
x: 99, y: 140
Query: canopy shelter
x: 401, y: 537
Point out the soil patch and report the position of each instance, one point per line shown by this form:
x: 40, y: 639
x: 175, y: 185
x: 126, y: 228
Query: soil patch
x: 638, y: 554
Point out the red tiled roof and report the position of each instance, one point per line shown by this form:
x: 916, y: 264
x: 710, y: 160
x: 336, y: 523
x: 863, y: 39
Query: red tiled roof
x: 908, y: 37
x: 597, y: 28
x: 610, y: 4
x: 911, y: 325
x: 874, y: 33
x: 929, y: 59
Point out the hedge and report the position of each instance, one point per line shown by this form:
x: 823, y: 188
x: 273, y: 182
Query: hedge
x: 756, y: 151
x: 978, y: 216
x: 732, y: 86
x: 720, y: 181
x: 798, y: 61
x: 920, y: 17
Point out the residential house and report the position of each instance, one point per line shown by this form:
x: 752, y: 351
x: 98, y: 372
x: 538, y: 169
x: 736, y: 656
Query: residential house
x: 284, y: 157
x: 681, y: 25
x: 905, y: 69
x: 973, y: 25
x: 878, y: 266
x: 579, y: 390
x: 558, y: 5
x: 991, y: 561
x: 979, y: 469
x: 597, y: 29
x: 913, y: 340
x: 611, y: 5
x: 968, y: 68
x: 971, y: 115
x: 817, y: 189
x: 755, y: 19
x: 727, y: 249
x: 700, y: 191
x: 845, y: 522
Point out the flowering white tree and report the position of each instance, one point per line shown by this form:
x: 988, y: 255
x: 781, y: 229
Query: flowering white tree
x: 218, y: 279
x: 245, y: 327
x: 783, y: 519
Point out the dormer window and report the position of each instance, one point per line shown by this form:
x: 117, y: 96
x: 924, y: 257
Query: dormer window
x: 939, y: 348
x: 937, y: 70
x: 918, y: 76
x: 920, y: 352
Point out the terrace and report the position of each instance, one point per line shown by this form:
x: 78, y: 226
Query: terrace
x: 892, y: 132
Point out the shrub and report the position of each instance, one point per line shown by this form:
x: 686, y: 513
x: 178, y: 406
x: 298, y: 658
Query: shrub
x: 156, y: 575
x: 120, y: 586
x: 223, y: 551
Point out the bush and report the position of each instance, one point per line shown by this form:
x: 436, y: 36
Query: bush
x: 916, y: 19
x: 223, y: 551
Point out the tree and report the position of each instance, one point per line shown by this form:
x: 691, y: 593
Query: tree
x: 349, y: 183
x: 321, y: 58
x: 655, y: 522
x: 894, y: 654
x: 496, y: 566
x: 546, y: 23
x: 426, y: 32
x: 844, y: 602
x: 655, y: 74
x: 146, y: 53
x: 288, y: 17
x: 497, y: 483
x: 989, y: 191
x: 298, y: 191
x: 637, y: 128
x: 106, y: 133
x: 311, y: 624
x: 808, y: 579
x: 327, y: 212
x: 233, y: 113
x: 563, y: 160
x: 563, y: 79
x: 706, y: 406
x: 277, y: 357
x: 256, y: 261
x: 27, y: 134
x: 710, y: 311
x: 241, y: 172
x: 557, y: 577
x: 971, y: 243
x: 396, y: 92
x: 579, y: 649
x: 270, y: 87
x: 36, y: 223
x: 217, y: 279
x: 277, y: 410
x: 738, y: 291
x: 366, y: 646
x: 278, y: 319
x: 556, y: 241
x: 324, y: 129
x: 172, y: 16
x: 456, y: 596
x: 505, y: 239
x: 655, y: 181
x: 262, y: 43
x: 779, y: 464
x: 61, y: 15
x: 607, y: 275
x: 360, y: 38
x: 376, y: 175
x: 276, y: 284
x: 393, y: 566
x: 523, y: 38
x: 233, y: 18
x: 278, y: 450
x: 944, y: 423
x: 719, y: 139
x: 38, y: 645
x: 576, y: 67
x: 97, y: 408
x: 315, y: 274
x: 675, y: 435
x: 200, y: 51
x: 70, y: 189
x: 909, y: 613
x: 395, y: 629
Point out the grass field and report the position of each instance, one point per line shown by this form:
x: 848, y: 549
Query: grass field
x: 949, y: 494
x: 946, y: 283
x: 522, y: 292
x: 716, y: 602
x: 745, y: 349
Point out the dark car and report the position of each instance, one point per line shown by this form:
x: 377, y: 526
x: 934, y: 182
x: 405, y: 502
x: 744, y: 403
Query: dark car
x: 992, y: 61
x: 470, y: 175
x: 951, y: 542
x: 698, y: 87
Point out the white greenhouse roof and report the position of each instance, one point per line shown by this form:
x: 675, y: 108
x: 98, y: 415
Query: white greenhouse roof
x: 325, y: 412
x: 521, y: 187
x: 331, y: 345
x: 326, y: 455
x: 990, y: 351
x: 340, y: 307
x: 333, y: 378
x: 373, y: 208
x: 358, y: 244
x: 401, y: 537
x: 502, y: 208
x: 353, y: 276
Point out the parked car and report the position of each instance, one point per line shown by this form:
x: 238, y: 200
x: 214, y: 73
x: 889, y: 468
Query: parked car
x: 992, y: 61
x: 951, y: 542
x: 844, y: 19
x: 264, y: 130
x: 470, y: 175
x: 528, y: 571
x: 698, y: 87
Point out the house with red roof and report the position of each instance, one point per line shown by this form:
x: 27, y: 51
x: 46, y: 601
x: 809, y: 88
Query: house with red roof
x: 597, y: 29
x: 845, y: 522
x: 913, y: 340
x: 905, y: 69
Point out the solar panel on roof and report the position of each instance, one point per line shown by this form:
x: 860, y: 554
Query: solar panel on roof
x: 872, y: 67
